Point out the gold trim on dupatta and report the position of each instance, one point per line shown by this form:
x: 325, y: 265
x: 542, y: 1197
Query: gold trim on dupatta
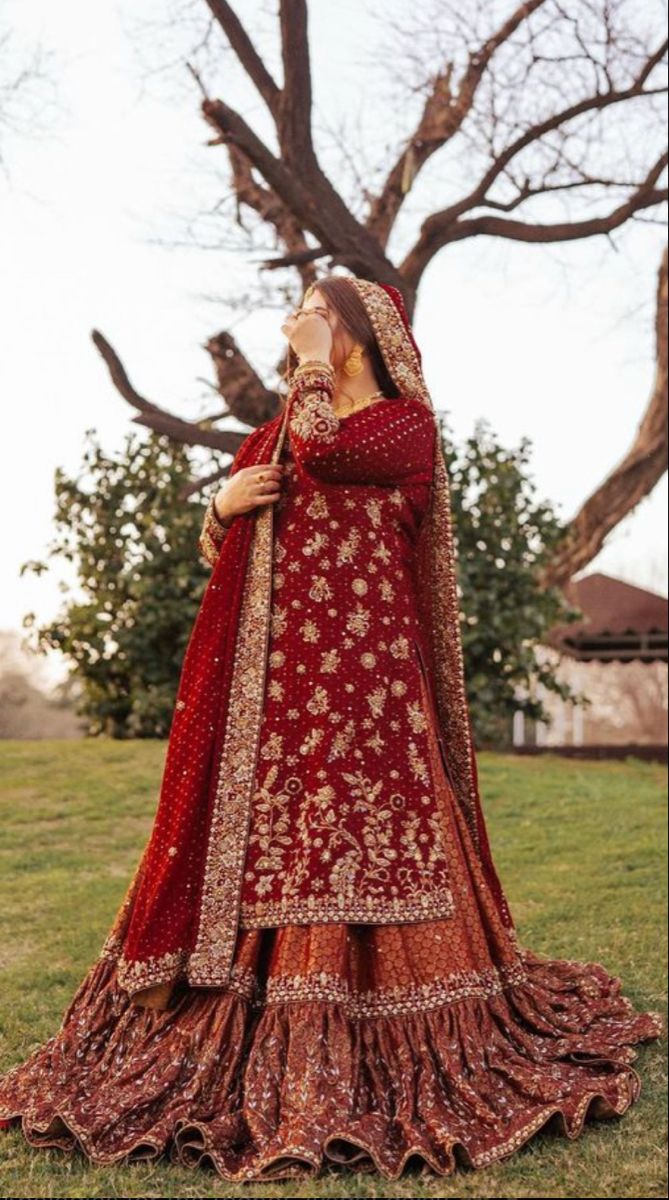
x: 211, y: 959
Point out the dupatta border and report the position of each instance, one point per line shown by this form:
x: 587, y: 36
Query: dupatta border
x: 218, y: 922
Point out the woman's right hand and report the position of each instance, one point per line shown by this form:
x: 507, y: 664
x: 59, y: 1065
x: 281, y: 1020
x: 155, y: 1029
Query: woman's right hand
x: 309, y: 333
x: 246, y: 489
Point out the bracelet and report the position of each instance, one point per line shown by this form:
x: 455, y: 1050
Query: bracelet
x: 314, y: 364
x: 313, y: 378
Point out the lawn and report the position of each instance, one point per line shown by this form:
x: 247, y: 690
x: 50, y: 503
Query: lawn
x: 579, y: 846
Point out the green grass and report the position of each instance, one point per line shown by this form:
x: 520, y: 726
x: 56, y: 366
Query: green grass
x: 580, y: 850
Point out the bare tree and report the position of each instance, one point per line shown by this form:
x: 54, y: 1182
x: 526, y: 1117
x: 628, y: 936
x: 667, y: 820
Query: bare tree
x: 553, y: 113
x: 26, y: 89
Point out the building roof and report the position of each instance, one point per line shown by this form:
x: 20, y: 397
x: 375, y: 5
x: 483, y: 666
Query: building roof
x: 620, y: 621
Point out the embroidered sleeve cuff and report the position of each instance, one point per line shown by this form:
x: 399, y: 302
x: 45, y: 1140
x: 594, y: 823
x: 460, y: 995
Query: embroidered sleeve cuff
x: 311, y: 413
x: 212, y: 534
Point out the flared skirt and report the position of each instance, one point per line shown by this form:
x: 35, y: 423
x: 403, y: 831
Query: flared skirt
x: 358, y: 1046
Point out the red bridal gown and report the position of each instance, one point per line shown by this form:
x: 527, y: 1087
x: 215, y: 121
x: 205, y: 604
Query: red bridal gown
x: 378, y: 1008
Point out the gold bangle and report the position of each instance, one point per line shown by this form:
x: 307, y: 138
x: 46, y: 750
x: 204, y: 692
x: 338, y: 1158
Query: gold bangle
x: 313, y: 364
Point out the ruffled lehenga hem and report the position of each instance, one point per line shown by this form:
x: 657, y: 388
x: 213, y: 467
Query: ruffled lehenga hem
x: 285, y: 1090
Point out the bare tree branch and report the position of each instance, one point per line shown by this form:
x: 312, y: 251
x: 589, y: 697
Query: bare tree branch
x: 265, y: 202
x: 247, y: 54
x: 439, y: 230
x: 633, y: 478
x: 442, y: 117
x: 294, y: 125
x: 479, y: 195
x: 189, y: 433
x: 297, y: 259
x: 317, y: 205
x: 246, y: 396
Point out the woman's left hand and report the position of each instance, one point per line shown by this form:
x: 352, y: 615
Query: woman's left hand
x: 309, y: 334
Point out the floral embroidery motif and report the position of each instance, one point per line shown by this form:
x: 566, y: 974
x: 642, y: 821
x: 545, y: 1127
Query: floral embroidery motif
x: 332, y: 837
x: 312, y: 415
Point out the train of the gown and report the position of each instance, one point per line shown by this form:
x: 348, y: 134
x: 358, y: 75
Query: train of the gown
x: 363, y: 1045
x: 267, y: 1080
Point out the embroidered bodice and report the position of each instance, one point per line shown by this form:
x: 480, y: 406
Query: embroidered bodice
x: 345, y: 822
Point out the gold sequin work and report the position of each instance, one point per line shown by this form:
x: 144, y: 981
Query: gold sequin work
x: 346, y: 820
x: 314, y: 962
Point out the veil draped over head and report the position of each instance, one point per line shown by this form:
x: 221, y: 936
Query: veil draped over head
x: 180, y: 915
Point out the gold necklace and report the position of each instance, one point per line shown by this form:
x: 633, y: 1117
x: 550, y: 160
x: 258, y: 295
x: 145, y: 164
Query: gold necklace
x: 360, y: 403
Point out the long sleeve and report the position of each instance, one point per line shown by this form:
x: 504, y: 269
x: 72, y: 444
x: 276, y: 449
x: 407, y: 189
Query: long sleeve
x: 388, y: 442
x: 212, y: 531
x: 212, y: 534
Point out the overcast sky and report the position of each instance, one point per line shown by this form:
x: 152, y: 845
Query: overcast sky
x: 555, y: 343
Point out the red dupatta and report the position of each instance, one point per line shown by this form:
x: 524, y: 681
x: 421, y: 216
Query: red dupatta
x: 179, y: 917
x: 163, y: 929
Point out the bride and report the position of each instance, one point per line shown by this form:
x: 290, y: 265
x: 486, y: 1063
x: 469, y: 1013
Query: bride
x: 315, y: 961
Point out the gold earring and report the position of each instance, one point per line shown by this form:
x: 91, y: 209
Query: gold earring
x: 353, y: 364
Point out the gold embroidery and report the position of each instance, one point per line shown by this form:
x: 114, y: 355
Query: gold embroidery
x: 376, y: 700
x: 212, y: 957
x: 212, y: 533
x: 382, y: 552
x: 399, y: 648
x: 310, y: 631
x: 272, y: 747
x: 373, y: 510
x: 375, y: 742
x: 358, y: 620
x: 311, y: 414
x: 311, y: 741
x: 348, y: 547
x: 319, y: 701
x: 279, y: 622
x: 317, y: 506
x: 342, y: 741
x: 316, y: 544
x: 436, y: 557
x: 330, y: 660
x: 320, y: 588
x: 416, y: 717
x: 418, y: 764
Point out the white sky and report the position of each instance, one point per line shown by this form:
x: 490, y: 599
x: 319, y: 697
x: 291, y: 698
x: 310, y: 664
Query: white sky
x: 554, y: 343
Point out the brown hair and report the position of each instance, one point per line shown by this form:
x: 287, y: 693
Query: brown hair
x: 352, y: 313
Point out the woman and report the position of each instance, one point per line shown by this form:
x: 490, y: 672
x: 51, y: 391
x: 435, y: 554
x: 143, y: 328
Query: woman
x: 315, y: 962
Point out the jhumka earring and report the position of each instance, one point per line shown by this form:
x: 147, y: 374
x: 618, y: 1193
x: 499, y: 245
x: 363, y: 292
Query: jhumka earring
x: 353, y: 364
